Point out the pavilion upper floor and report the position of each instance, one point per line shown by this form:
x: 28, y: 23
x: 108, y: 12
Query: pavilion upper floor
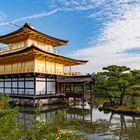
x: 35, y: 60
x: 9, y: 48
x: 28, y: 50
x: 27, y: 36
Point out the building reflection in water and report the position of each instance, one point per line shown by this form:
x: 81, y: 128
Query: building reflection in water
x: 118, y: 127
x: 106, y: 125
x: 79, y: 112
x: 48, y: 113
x: 28, y: 115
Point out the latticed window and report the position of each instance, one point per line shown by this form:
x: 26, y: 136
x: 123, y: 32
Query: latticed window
x: 67, y: 88
x: 87, y: 87
x: 73, y: 88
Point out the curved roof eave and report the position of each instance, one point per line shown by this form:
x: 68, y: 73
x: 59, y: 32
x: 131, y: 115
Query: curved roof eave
x: 27, y: 26
x: 79, y: 62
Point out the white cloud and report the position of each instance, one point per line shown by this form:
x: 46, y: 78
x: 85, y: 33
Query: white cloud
x: 119, y: 35
x: 30, y: 17
x: 81, y: 5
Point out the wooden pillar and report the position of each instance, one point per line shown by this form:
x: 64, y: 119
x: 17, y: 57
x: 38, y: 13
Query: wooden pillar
x: 70, y: 70
x: 46, y: 84
x: 11, y: 85
x: 34, y: 83
x: 83, y: 93
x: 55, y: 68
x: 4, y: 84
x: 24, y: 84
x: 64, y: 89
x: 56, y: 88
x: 45, y: 66
x: 17, y: 84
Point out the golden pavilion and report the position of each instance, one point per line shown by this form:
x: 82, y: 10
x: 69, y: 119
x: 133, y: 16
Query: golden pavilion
x: 31, y: 68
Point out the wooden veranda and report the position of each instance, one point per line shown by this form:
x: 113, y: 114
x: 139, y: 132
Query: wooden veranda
x: 76, y: 86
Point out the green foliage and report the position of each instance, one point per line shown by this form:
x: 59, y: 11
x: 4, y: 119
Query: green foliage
x: 138, y: 103
x: 135, y: 77
x: 98, y: 101
x: 119, y: 81
x: 133, y: 98
x: 59, y: 129
x: 112, y: 83
x: 9, y: 129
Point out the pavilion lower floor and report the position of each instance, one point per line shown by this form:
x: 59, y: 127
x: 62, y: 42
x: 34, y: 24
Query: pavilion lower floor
x: 28, y: 84
x: 34, y: 87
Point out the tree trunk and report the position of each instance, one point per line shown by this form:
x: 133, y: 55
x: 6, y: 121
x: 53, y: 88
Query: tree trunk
x: 133, y: 100
x: 111, y: 102
x: 122, y: 98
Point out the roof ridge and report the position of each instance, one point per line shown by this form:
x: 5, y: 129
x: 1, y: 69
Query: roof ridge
x: 57, y: 41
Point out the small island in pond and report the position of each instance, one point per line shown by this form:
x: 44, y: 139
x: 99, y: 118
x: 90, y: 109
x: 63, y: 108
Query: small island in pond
x: 119, y: 87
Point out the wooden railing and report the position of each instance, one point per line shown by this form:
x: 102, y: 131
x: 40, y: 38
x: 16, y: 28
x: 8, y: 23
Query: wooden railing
x: 72, y: 73
x: 32, y: 69
x: 7, y: 49
x: 38, y: 70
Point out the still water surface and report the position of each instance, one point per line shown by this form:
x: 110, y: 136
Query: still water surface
x: 103, y: 125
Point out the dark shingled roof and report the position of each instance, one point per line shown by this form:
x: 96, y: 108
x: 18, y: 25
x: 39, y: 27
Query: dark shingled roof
x: 26, y: 25
x: 28, y: 28
x: 76, y: 79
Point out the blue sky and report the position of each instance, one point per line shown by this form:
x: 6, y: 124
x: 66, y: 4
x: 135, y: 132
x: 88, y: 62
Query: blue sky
x: 105, y: 32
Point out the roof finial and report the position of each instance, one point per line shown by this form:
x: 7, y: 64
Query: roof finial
x: 29, y: 23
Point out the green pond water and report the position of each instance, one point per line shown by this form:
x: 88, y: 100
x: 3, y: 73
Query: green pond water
x: 100, y: 125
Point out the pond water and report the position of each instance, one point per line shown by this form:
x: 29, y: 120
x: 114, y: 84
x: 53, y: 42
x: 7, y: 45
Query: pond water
x: 102, y: 125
